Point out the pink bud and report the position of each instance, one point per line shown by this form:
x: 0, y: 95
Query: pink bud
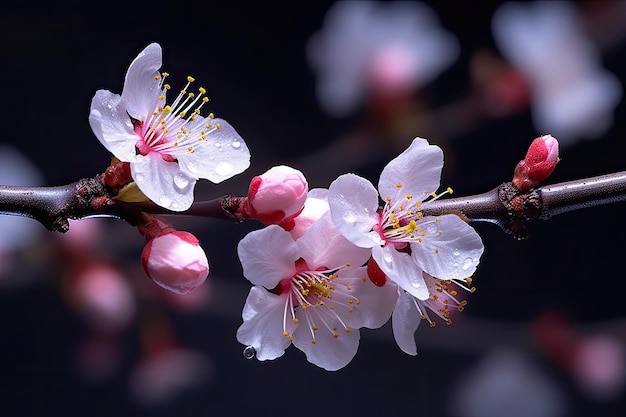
x: 175, y: 261
x: 540, y: 160
x: 277, y: 194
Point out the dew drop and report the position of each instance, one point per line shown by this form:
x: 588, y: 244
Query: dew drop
x: 467, y: 263
x: 349, y: 217
x: 236, y: 145
x: 192, y: 167
x: 165, y: 201
x: 139, y: 177
x: 456, y: 253
x: 249, y: 352
x: 218, y: 145
x: 415, y: 283
x: 181, y: 181
x: 224, y: 168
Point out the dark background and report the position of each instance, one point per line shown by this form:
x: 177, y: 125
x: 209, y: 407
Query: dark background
x: 251, y: 58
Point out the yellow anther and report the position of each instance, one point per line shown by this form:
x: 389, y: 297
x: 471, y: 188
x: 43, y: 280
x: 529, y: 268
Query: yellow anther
x: 157, y: 77
x: 399, y: 185
x: 285, y: 334
x: 161, y: 97
x: 165, y: 74
x: 348, y: 264
x: 205, y: 99
x: 295, y: 320
x: 219, y: 126
x: 202, y: 90
x: 348, y: 330
x: 388, y: 199
x: 211, y: 116
x: 422, y: 233
x: 433, y: 194
x: 192, y: 95
x: 175, y: 143
x: 439, y: 232
x: 437, y: 219
x: 350, y: 310
x: 449, y: 190
x: 363, y: 279
x: 167, y: 109
x: 335, y: 335
x: 314, y: 327
x: 190, y: 149
x: 350, y: 301
x: 313, y: 341
x: 436, y: 250
x: 167, y: 86
x: 191, y: 79
x: 290, y: 338
x: 183, y: 92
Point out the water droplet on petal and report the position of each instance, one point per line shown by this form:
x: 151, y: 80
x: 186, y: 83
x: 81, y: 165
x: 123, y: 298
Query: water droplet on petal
x: 415, y: 283
x: 192, y: 167
x: 456, y: 253
x: 224, y: 168
x: 181, y: 181
x: 467, y: 263
x: 165, y: 201
x: 218, y: 145
x: 139, y: 177
x: 236, y: 145
x: 349, y: 217
x: 249, y: 352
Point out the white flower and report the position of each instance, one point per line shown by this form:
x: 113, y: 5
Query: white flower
x: 393, y: 46
x: 169, y: 146
x: 312, y: 292
x: 404, y: 242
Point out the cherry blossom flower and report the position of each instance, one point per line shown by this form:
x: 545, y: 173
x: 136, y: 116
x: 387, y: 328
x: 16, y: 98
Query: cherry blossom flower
x: 405, y: 242
x: 312, y: 292
x: 169, y: 146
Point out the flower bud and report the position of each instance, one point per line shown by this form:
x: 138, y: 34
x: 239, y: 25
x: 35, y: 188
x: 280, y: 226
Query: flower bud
x: 540, y: 160
x: 277, y: 194
x: 175, y: 261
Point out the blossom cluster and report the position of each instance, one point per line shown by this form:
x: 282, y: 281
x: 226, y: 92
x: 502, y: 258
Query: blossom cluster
x: 345, y: 262
x: 328, y: 261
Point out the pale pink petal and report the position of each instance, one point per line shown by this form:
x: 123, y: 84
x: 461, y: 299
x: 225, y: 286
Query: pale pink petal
x: 112, y: 126
x: 142, y: 83
x: 329, y: 352
x: 401, y: 269
x: 223, y: 154
x: 262, y: 326
x: 417, y: 169
x: 353, y: 202
x: 404, y: 321
x: 268, y: 256
x: 452, y: 254
x: 375, y: 303
x: 323, y: 246
x: 163, y: 182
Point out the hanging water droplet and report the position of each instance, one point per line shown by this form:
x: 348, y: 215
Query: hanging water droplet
x: 249, y: 352
x: 181, y: 181
x: 467, y: 263
x: 165, y: 201
x: 236, y: 145
x: 139, y: 177
x: 224, y: 168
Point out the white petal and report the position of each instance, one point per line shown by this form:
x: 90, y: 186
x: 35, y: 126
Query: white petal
x: 328, y: 352
x: 262, y: 325
x: 401, y: 269
x: 323, y: 246
x: 112, y: 126
x: 353, y: 203
x: 163, y: 182
x: 453, y: 254
x: 141, y: 88
x: 224, y: 154
x: 418, y: 169
x: 268, y: 256
x: 375, y: 303
x: 404, y: 322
